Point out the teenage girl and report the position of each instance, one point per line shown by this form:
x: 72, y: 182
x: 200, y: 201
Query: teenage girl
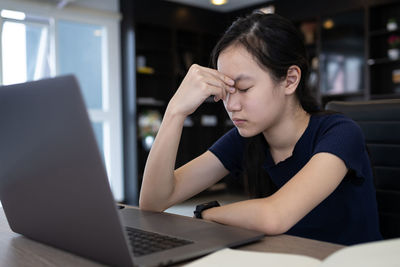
x: 307, y: 171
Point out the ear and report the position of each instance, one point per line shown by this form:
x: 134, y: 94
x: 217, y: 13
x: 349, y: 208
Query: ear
x: 292, y: 79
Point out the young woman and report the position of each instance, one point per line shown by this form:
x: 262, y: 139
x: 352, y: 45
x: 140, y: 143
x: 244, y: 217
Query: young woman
x: 307, y: 171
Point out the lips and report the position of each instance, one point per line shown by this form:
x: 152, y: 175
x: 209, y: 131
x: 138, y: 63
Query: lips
x: 238, y: 121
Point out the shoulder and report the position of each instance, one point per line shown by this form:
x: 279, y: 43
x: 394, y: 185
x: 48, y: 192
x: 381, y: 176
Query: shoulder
x: 334, y: 120
x: 341, y: 136
x: 337, y: 126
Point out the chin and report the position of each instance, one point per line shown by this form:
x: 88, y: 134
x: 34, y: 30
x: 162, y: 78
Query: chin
x: 246, y: 133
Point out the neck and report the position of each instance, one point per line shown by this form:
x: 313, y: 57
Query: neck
x: 283, y: 136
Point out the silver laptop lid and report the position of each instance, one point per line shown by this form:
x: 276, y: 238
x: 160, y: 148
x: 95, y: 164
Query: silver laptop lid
x: 49, y: 164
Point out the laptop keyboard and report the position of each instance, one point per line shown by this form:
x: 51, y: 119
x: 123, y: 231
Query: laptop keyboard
x: 144, y: 242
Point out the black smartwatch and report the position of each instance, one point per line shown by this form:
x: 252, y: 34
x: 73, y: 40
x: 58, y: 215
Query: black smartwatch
x: 202, y: 207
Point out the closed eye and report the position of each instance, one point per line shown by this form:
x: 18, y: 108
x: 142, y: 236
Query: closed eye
x: 243, y: 90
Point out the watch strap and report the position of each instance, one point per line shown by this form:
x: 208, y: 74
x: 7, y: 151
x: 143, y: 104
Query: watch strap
x: 202, y: 207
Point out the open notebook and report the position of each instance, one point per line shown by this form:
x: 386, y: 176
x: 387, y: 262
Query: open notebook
x: 374, y: 254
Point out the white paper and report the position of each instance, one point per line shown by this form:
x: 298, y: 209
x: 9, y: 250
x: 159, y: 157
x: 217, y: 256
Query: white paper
x: 373, y: 254
x: 239, y: 258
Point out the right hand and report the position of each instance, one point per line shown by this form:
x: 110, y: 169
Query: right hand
x: 198, y: 84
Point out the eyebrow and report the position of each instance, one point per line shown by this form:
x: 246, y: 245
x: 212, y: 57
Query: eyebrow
x: 242, y: 77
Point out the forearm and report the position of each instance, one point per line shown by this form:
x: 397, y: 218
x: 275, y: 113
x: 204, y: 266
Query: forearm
x: 158, y: 178
x: 255, y: 214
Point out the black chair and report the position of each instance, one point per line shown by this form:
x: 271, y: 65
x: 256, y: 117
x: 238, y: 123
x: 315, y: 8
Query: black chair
x: 380, y: 122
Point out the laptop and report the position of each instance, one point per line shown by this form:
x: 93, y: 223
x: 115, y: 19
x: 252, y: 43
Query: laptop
x: 54, y: 188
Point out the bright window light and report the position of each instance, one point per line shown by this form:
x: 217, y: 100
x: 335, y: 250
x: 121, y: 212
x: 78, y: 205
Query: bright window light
x: 10, y: 14
x: 14, y: 53
x: 219, y: 2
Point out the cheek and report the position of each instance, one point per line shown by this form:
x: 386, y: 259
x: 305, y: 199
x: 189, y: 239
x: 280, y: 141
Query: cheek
x: 261, y: 101
x: 269, y: 96
x: 263, y: 108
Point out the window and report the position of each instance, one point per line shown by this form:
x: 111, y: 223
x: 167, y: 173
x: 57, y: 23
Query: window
x: 25, y: 49
x: 342, y: 54
x: 39, y: 42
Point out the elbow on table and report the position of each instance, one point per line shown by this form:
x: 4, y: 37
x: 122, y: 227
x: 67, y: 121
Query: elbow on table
x: 274, y: 225
x: 147, y: 204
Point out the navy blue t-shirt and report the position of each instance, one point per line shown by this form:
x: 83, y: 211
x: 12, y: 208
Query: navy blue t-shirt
x: 347, y: 216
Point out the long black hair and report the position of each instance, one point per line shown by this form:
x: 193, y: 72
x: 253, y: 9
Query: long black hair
x: 275, y: 44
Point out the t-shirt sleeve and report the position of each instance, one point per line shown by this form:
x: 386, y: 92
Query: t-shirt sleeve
x: 343, y: 138
x: 229, y: 150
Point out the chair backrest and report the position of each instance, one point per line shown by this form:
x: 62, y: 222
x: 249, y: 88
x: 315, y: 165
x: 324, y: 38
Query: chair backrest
x: 380, y: 122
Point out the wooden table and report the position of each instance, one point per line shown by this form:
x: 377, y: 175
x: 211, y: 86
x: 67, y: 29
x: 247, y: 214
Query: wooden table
x: 16, y: 250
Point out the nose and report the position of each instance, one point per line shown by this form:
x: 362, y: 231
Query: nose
x: 232, y: 102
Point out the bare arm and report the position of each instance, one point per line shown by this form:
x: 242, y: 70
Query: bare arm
x: 162, y: 187
x: 278, y: 213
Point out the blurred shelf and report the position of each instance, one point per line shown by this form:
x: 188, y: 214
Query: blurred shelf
x: 385, y: 96
x: 379, y: 61
x: 153, y: 49
x: 150, y: 101
x: 158, y: 74
x: 382, y: 32
x: 344, y: 95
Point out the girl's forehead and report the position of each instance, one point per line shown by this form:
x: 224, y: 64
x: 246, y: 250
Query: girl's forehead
x: 237, y: 63
x: 235, y: 58
x: 235, y: 51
